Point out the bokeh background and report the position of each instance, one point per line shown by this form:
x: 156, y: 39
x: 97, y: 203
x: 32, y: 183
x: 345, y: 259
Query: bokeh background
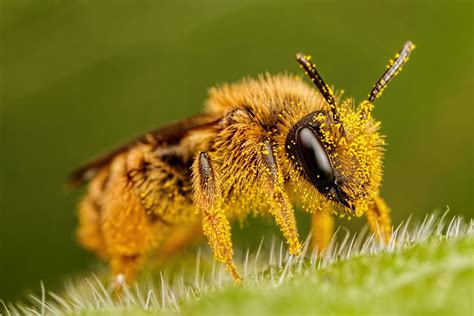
x: 78, y: 77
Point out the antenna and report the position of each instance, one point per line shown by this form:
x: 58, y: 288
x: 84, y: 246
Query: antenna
x: 310, y: 70
x: 393, y: 68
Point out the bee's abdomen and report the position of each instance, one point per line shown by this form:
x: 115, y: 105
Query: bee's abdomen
x: 164, y: 188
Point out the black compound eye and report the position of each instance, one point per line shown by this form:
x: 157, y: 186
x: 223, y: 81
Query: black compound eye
x: 315, y: 160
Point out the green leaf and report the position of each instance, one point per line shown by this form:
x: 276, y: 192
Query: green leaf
x: 427, y: 268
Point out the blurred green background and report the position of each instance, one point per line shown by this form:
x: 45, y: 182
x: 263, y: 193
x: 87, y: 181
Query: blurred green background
x: 78, y: 77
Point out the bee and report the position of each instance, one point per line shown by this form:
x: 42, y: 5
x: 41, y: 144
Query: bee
x: 261, y: 147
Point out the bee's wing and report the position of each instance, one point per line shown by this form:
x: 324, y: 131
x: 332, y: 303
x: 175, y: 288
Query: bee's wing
x: 169, y: 134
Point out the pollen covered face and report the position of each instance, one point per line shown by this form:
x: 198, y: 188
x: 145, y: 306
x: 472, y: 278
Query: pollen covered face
x: 355, y: 150
x: 341, y: 157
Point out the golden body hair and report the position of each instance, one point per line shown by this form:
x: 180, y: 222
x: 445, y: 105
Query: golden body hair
x: 158, y: 193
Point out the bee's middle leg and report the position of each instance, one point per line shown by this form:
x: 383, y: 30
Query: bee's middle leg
x: 179, y: 237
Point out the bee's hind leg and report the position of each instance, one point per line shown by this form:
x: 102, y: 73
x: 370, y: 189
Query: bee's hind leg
x: 379, y: 219
x: 130, y: 234
x: 215, y: 225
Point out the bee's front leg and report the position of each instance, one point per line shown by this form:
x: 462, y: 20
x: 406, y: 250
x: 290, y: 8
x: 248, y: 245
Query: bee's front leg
x: 280, y: 206
x: 378, y: 216
x: 215, y: 225
x: 322, y: 230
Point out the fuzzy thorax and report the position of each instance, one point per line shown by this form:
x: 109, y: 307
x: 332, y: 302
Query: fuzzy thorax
x: 270, y: 107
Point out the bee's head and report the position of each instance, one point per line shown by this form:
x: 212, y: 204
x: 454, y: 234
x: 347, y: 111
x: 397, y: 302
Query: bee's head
x: 338, y: 149
x: 344, y: 165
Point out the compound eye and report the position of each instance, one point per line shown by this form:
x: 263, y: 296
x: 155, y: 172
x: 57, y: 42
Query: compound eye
x: 315, y: 160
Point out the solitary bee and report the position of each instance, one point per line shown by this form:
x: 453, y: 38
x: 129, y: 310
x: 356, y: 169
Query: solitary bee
x: 261, y: 146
